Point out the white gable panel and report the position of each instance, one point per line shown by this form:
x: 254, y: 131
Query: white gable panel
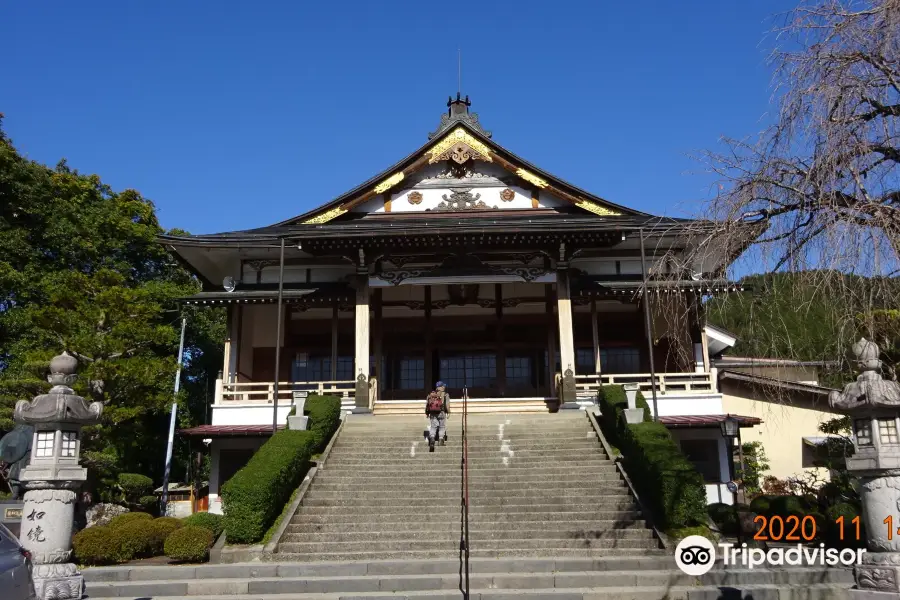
x: 548, y: 200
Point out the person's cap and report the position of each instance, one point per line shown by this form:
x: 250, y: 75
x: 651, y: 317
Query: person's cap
x: 440, y: 384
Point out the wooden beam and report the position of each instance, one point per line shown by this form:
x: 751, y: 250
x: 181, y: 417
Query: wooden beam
x: 596, y: 335
x: 361, y: 359
x: 387, y: 202
x: 334, y: 340
x: 501, y: 348
x: 535, y: 198
x: 429, y: 358
x: 378, y: 338
x: 419, y: 163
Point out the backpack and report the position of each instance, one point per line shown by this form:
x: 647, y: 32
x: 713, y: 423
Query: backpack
x: 435, y: 402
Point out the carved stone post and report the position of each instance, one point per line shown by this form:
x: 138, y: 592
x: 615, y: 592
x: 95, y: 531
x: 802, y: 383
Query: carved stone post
x: 874, y: 407
x: 51, y: 479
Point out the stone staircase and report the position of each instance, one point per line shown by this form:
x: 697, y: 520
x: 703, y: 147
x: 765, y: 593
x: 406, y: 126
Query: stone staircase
x: 540, y: 485
x: 550, y: 519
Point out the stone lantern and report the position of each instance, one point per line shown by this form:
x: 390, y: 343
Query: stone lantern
x: 51, y: 478
x: 873, y: 405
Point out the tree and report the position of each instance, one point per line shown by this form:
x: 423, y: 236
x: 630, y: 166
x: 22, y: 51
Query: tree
x: 81, y: 271
x: 817, y: 192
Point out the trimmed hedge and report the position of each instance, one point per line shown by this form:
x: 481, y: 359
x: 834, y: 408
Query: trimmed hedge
x: 324, y: 417
x: 135, y: 485
x: 256, y: 495
x: 95, y: 546
x: 158, y: 530
x: 123, y: 519
x: 209, y: 520
x: 665, y: 478
x: 189, y: 544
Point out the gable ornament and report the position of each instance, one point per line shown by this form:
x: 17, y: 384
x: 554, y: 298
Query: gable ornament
x: 459, y: 146
x: 461, y: 200
x: 389, y: 183
x: 325, y: 216
x: 596, y: 208
x: 414, y: 197
x: 531, y: 178
x: 507, y: 195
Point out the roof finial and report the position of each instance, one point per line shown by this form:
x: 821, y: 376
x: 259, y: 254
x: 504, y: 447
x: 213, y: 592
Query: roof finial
x: 458, y: 72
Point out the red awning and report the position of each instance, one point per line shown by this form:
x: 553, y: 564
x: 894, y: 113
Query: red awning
x: 706, y: 420
x: 213, y: 431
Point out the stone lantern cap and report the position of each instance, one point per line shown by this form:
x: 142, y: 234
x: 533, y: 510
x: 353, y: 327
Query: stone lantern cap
x: 869, y: 391
x: 61, y: 404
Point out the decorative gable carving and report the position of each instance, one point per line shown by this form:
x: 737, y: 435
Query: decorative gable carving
x: 461, y: 200
x: 459, y: 146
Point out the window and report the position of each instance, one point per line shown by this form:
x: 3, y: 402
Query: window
x: 412, y: 373
x: 69, y: 442
x: 584, y: 361
x: 887, y: 431
x: 863, y: 432
x: 705, y: 456
x: 44, y: 443
x: 318, y: 368
x: 620, y: 360
x: 479, y: 370
x: 518, y: 371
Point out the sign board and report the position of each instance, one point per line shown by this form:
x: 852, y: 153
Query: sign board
x: 11, y: 515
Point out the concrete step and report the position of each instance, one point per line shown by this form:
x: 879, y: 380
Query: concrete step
x: 442, y: 526
x: 448, y: 453
x: 481, y: 584
x: 476, y: 477
x: 452, y: 504
x: 548, y: 546
x: 508, y: 485
x: 330, y: 515
x: 451, y: 553
x: 637, y: 561
x: 543, y: 531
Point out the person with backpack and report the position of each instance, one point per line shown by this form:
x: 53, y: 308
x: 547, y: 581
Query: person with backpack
x: 437, y: 409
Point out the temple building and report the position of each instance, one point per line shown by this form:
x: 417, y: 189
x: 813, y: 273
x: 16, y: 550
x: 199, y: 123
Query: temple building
x: 467, y: 264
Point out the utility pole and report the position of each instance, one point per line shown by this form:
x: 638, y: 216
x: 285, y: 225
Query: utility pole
x: 165, y: 493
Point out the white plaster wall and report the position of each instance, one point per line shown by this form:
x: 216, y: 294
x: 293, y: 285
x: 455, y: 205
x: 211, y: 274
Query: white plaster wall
x: 248, y: 414
x: 258, y: 329
x: 674, y: 405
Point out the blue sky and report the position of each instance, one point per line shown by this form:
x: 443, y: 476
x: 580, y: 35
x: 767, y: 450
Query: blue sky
x: 235, y: 115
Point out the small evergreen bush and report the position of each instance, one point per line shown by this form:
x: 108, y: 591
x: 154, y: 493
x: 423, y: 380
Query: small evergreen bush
x: 209, y: 520
x: 158, y: 530
x: 132, y: 539
x: 324, y: 417
x: 189, y: 544
x: 96, y: 546
x: 134, y: 485
x: 129, y: 517
x: 723, y: 516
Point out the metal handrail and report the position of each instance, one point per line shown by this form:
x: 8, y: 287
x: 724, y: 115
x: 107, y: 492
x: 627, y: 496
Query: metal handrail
x: 464, y: 500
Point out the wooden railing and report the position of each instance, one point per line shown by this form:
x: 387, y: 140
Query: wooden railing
x: 666, y: 383
x: 262, y: 392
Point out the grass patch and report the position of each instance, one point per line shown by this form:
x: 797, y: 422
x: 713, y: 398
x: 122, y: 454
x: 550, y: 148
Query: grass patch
x: 268, y: 537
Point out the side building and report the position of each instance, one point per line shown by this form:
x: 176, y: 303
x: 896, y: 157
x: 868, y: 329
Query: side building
x: 464, y: 263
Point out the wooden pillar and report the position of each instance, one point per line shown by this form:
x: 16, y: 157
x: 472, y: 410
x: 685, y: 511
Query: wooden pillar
x: 229, y: 336
x: 379, y: 332
x: 501, y: 349
x: 334, y: 340
x: 429, y: 350
x: 361, y: 361
x: 596, y: 332
x: 566, y: 338
x: 551, y: 340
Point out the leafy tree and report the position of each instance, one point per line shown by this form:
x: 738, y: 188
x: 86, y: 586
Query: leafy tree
x: 81, y: 271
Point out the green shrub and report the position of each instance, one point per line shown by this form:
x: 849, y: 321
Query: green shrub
x: 96, y: 546
x: 133, y: 539
x: 210, y: 521
x: 189, y: 544
x: 833, y: 529
x: 324, y: 417
x: 663, y: 476
x: 135, y: 485
x: 255, y: 496
x: 158, y: 530
x: 724, y: 517
x: 148, y: 503
x: 128, y: 517
x: 761, y: 505
x: 785, y: 506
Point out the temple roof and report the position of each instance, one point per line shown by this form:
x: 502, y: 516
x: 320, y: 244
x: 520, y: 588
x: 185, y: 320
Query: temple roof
x: 458, y: 144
